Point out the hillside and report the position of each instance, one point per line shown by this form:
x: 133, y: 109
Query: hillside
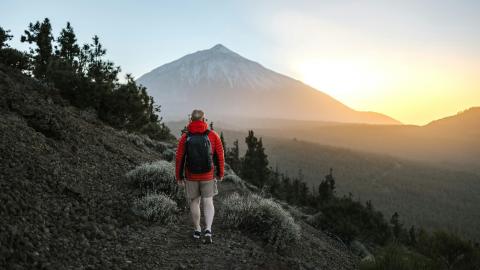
x: 230, y: 85
x: 65, y: 203
x: 450, y: 142
x: 414, y: 189
x: 466, y: 122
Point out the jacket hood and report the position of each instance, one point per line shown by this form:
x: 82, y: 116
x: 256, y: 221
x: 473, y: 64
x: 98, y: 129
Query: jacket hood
x: 197, y: 126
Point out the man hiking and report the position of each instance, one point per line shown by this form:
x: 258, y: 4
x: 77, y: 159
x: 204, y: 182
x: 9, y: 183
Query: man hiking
x: 195, y: 156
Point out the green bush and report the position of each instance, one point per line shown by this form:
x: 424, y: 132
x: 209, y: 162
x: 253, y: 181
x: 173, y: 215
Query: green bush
x: 156, y: 207
x: 261, y: 217
x: 233, y: 178
x: 169, y: 154
x: 142, y: 140
x: 156, y: 177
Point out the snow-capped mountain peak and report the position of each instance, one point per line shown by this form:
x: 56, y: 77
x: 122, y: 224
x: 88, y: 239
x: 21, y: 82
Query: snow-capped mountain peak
x: 215, y: 66
x: 220, y: 48
x: 226, y: 83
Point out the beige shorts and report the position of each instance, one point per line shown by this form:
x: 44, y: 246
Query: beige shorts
x: 201, y: 188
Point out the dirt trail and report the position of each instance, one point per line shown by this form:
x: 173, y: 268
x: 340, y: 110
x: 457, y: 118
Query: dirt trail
x: 172, y: 247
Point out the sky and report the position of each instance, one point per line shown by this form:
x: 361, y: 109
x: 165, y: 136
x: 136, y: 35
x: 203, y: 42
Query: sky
x: 415, y: 61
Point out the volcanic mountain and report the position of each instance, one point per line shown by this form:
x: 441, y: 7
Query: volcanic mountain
x: 226, y: 85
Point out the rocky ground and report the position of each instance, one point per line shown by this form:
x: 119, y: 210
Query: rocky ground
x: 65, y: 204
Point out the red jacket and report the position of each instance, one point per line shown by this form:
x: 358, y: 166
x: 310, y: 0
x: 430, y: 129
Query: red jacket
x: 217, y: 148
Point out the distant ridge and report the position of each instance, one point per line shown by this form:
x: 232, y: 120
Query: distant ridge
x: 465, y: 121
x: 227, y: 84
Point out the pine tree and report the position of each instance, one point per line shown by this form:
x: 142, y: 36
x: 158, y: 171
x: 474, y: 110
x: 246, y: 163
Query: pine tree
x: 232, y: 157
x: 412, y: 236
x: 255, y: 162
x: 249, y: 160
x: 326, y: 189
x: 275, y: 184
x: 10, y: 56
x: 41, y: 35
x: 98, y: 70
x: 4, y: 37
x: 331, y: 181
x: 222, y: 139
x: 301, y: 176
x: 262, y: 169
x: 396, y: 226
x: 303, y: 193
x: 369, y: 205
x: 69, y: 49
x: 128, y: 107
x: 295, y: 191
x: 235, y: 156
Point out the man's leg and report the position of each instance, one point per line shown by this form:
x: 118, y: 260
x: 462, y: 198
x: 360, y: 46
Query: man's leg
x: 209, y: 212
x: 195, y: 212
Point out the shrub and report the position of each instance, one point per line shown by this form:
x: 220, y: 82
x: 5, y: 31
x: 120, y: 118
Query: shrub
x: 262, y: 217
x: 133, y: 138
x: 142, y: 140
x: 233, y: 178
x: 155, y: 177
x: 156, y: 207
x: 169, y: 154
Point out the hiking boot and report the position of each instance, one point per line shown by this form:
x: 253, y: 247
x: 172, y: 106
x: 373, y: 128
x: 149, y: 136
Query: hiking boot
x: 196, y: 235
x: 207, y: 237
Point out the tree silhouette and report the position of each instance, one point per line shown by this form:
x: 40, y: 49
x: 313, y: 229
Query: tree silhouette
x: 232, y: 157
x: 12, y: 57
x: 412, y: 238
x: 41, y: 35
x: 255, y: 162
x: 4, y: 37
x: 396, y: 226
x: 262, y: 169
x: 222, y: 139
x: 69, y: 49
x: 248, y: 161
x: 326, y: 189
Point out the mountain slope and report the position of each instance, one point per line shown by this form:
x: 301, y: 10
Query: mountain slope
x: 226, y: 84
x: 465, y: 123
x: 65, y: 204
